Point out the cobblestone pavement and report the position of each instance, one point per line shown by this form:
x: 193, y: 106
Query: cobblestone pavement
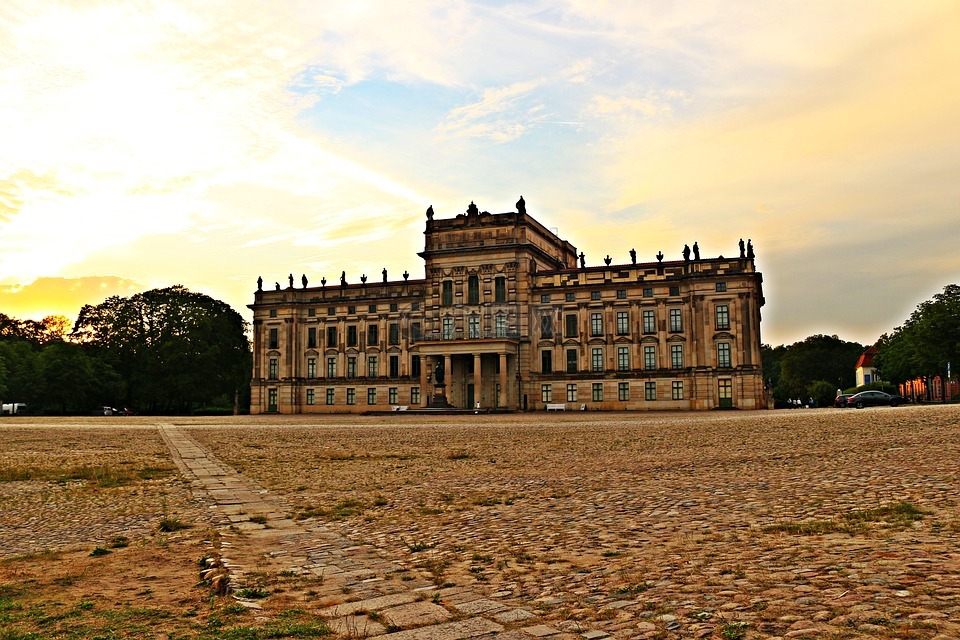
x: 776, y: 524
x: 720, y: 525
x: 377, y: 607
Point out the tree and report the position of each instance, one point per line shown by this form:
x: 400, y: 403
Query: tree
x: 176, y: 349
x: 818, y: 357
x: 924, y: 345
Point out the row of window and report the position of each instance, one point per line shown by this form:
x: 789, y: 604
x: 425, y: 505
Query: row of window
x: 623, y: 391
x: 352, y: 309
x: 373, y: 367
x: 571, y: 296
x: 648, y: 322
x: 571, y: 328
x: 473, y: 290
x: 724, y: 360
x: 351, y: 398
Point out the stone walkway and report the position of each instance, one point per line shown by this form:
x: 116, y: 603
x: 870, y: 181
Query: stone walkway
x: 259, y: 536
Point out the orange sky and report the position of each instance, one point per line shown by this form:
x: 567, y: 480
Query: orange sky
x: 207, y: 144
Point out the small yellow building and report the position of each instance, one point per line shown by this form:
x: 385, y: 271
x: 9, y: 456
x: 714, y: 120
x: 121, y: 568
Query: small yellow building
x: 509, y: 317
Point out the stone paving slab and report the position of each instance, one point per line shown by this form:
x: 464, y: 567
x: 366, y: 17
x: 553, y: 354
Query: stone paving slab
x: 415, y: 614
x: 472, y: 628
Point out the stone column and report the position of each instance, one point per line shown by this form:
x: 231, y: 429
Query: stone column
x: 477, y: 383
x: 424, y: 390
x: 504, y: 387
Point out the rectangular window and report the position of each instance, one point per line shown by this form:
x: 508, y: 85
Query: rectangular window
x: 544, y: 298
x: 570, y: 326
x: 332, y: 367
x: 546, y: 362
x: 546, y: 394
x: 594, y: 295
x: 274, y: 369
x: 571, y: 360
x: 373, y: 335
x: 623, y: 323
x: 372, y: 308
x: 331, y: 395
x: 674, y: 291
x: 447, y: 293
x: 312, y: 338
x: 596, y: 359
x: 649, y: 357
x: 677, y: 390
x: 415, y: 366
x: 598, y: 392
x: 273, y: 313
x: 723, y: 354
x: 621, y: 294
x: 394, y: 366
x: 311, y: 313
x: 415, y: 395
x: 571, y: 393
x: 394, y: 307
x: 351, y: 309
x: 331, y: 311
x: 649, y: 391
x: 500, y: 326
x: 649, y: 321
x: 392, y: 395
x: 723, y: 316
x: 570, y: 297
x: 274, y: 340
x: 331, y: 336
x: 546, y: 326
x: 500, y: 289
x: 372, y: 369
x: 414, y: 306
x: 721, y: 287
x: 394, y: 336
x: 473, y: 326
x: 372, y: 395
x: 351, y: 396
x: 676, y: 356
x: 352, y: 335
x: 448, y: 328
x: 623, y: 391
x: 473, y: 290
x: 351, y: 366
x: 415, y: 332
x: 596, y: 324
x: 676, y: 320
x: 623, y: 358
x: 310, y: 396
x: 648, y: 292
x: 311, y: 367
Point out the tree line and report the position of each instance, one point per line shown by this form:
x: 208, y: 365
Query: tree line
x: 164, y: 351
x: 926, y: 345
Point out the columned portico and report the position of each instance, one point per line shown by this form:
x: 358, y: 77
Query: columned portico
x: 474, y: 369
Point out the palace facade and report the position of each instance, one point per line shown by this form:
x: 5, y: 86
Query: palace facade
x: 508, y: 319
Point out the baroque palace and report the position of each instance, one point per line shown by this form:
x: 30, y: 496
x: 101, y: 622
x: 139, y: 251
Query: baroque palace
x: 509, y: 317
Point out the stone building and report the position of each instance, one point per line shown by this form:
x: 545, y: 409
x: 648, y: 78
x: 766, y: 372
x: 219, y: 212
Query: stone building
x: 509, y: 317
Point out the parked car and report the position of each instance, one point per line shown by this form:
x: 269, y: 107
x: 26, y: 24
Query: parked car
x: 841, y: 400
x: 105, y: 411
x: 874, y: 399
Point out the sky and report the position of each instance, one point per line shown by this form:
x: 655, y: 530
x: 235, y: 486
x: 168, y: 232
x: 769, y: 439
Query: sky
x: 207, y: 143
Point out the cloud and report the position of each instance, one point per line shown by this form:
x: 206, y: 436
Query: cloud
x: 501, y: 114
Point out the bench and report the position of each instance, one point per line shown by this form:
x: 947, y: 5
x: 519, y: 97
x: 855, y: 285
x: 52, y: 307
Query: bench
x: 556, y: 407
x: 399, y: 407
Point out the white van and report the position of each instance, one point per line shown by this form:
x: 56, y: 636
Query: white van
x: 13, y: 409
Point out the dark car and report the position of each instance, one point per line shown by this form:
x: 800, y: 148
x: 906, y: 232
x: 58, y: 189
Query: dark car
x: 841, y: 400
x: 874, y: 399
